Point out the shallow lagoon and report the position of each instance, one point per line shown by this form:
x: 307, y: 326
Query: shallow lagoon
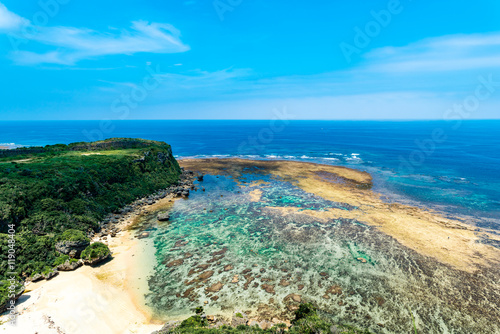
x: 247, y: 245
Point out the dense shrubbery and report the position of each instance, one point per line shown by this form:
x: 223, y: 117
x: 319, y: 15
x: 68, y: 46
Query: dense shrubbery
x: 95, y: 250
x: 61, y: 194
x: 9, y: 288
x: 62, y: 259
x: 73, y: 236
x: 306, y: 321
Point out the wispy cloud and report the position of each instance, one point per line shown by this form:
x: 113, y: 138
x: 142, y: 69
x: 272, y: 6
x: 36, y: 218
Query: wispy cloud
x: 74, y: 44
x: 200, y: 78
x: 10, y: 21
x: 446, y: 53
x: 192, y: 84
x: 430, y: 65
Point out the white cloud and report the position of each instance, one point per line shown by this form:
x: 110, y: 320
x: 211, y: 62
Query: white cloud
x: 71, y: 44
x: 10, y: 21
x: 204, y: 78
x: 446, y: 53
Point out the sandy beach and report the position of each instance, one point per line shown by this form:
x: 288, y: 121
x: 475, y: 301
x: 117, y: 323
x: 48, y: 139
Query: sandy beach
x: 104, y: 299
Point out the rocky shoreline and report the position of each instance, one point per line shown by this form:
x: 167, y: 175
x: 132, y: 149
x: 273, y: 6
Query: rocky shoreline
x: 111, y: 225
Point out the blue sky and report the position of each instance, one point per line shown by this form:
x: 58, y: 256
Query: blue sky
x: 241, y: 59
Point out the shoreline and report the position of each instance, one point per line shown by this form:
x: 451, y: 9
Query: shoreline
x: 102, y: 299
x: 114, y: 288
x: 112, y: 294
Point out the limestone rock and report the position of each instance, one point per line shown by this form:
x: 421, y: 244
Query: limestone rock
x: 215, y: 287
x: 175, y: 263
x: 71, y: 248
x: 50, y: 274
x: 69, y: 266
x: 293, y: 297
x: 268, y: 288
x: 205, y: 275
x: 37, y: 278
x: 163, y: 216
x: 97, y: 260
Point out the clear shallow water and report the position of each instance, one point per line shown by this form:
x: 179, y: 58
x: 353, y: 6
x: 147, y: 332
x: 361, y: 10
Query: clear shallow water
x: 353, y: 273
x: 458, y: 175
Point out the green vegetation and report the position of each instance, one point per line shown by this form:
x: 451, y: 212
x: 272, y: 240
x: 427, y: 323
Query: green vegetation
x: 305, y: 310
x: 193, y: 322
x: 7, y: 289
x: 73, y: 236
x: 61, y: 192
x: 413, y: 320
x: 239, y: 315
x: 62, y: 259
x: 95, y: 250
x: 306, y: 321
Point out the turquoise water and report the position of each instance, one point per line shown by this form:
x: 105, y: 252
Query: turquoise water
x: 458, y: 175
x: 354, y: 274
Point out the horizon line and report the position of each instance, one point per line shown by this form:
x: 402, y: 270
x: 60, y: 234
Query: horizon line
x: 251, y: 119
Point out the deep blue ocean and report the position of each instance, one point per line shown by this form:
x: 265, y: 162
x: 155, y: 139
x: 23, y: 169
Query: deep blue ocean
x: 449, y: 166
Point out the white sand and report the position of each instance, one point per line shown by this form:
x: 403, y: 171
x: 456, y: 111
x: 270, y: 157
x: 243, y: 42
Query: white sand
x: 106, y: 299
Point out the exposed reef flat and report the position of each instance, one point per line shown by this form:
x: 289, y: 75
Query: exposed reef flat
x: 267, y: 235
x: 448, y: 241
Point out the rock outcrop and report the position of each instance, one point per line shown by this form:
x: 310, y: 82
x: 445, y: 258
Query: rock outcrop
x: 94, y: 261
x: 70, y: 265
x: 72, y: 248
x: 163, y: 216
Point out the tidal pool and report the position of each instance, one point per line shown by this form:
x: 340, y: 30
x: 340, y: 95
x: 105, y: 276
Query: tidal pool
x: 260, y: 244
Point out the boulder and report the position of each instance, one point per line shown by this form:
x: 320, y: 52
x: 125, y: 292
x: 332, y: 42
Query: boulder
x: 37, y: 278
x: 69, y: 266
x: 143, y: 235
x: 163, y: 216
x: 96, y: 260
x: 237, y: 321
x: 71, y: 248
x: 50, y: 274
